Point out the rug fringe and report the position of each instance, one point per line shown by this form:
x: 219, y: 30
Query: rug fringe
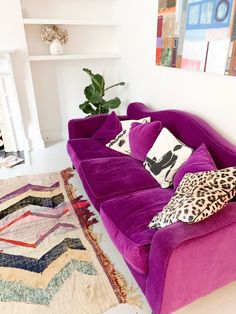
x: 133, y: 298
x: 124, y: 292
x: 67, y: 174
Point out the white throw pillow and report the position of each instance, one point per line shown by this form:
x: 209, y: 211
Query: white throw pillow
x: 121, y: 142
x: 165, y: 157
x: 126, y: 124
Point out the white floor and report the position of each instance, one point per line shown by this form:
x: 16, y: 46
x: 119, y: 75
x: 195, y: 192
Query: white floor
x: 55, y: 158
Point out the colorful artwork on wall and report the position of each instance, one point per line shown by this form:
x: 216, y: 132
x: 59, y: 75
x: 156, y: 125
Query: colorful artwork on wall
x: 197, y: 35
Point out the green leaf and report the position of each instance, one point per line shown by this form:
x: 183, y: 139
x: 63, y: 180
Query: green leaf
x: 92, y: 95
x: 103, y: 109
x: 89, y: 91
x: 87, y: 108
x: 97, y: 81
x: 89, y: 72
x: 112, y: 104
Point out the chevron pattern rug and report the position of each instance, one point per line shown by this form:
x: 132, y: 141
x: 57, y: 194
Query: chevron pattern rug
x: 50, y: 259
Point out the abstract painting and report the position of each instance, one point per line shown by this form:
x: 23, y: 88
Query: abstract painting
x: 197, y: 35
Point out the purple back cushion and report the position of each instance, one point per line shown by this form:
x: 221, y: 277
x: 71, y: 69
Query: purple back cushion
x: 110, y: 128
x: 199, y: 161
x: 141, y: 138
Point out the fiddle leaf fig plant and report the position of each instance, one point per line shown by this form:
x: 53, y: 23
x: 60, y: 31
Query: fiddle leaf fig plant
x: 95, y: 92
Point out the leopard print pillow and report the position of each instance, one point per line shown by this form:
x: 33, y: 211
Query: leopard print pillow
x: 198, y: 196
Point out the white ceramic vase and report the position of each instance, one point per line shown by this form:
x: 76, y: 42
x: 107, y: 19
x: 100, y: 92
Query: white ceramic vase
x: 56, y: 48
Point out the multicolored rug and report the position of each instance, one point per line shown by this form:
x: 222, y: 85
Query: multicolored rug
x: 50, y: 259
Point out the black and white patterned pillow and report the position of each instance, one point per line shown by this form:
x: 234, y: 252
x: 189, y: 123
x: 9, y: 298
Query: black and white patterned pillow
x: 198, y: 196
x: 121, y: 142
x: 165, y: 157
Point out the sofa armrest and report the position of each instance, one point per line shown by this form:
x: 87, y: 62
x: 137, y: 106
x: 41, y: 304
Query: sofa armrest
x: 187, y: 262
x: 85, y: 127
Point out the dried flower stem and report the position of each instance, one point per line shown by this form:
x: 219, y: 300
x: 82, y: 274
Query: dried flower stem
x: 51, y: 32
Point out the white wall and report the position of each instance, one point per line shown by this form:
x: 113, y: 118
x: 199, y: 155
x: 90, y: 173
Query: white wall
x: 12, y: 37
x: 59, y: 90
x: 59, y: 85
x: 52, y: 98
x: 210, y: 96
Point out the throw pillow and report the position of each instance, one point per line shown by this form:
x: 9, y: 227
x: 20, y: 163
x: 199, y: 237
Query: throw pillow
x: 198, y: 196
x: 109, y: 129
x: 121, y: 142
x: 199, y: 161
x: 165, y: 157
x: 126, y: 124
x: 141, y: 138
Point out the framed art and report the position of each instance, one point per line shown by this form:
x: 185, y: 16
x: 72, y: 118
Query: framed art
x: 197, y: 35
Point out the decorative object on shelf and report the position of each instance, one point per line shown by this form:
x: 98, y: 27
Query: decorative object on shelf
x: 94, y: 93
x: 197, y: 35
x: 56, y: 47
x: 56, y: 37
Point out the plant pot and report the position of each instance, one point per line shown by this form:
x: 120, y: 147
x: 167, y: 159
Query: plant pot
x: 56, y: 48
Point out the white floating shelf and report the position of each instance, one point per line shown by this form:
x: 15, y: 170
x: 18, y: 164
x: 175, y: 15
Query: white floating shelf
x: 4, y: 52
x: 4, y: 74
x: 71, y: 22
x: 75, y: 57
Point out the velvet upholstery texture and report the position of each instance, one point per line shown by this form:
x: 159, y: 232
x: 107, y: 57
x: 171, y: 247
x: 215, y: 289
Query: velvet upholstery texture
x: 86, y: 127
x: 181, y: 261
x: 191, y: 130
x: 109, y: 129
x: 124, y: 175
x: 199, y: 161
x: 126, y: 219
x: 140, y: 278
x: 121, y: 142
x: 208, y: 275
x: 141, y: 138
x: 165, y: 243
x: 88, y: 148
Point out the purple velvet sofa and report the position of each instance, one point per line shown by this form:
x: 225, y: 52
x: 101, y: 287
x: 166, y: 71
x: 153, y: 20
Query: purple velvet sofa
x: 180, y: 263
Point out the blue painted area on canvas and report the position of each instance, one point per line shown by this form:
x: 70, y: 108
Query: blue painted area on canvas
x: 195, y: 35
x: 208, y: 14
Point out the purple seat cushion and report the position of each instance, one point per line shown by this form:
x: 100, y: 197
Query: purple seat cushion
x: 106, y: 178
x: 141, y: 138
x: 200, y: 160
x: 109, y: 129
x: 126, y: 220
x: 87, y: 148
